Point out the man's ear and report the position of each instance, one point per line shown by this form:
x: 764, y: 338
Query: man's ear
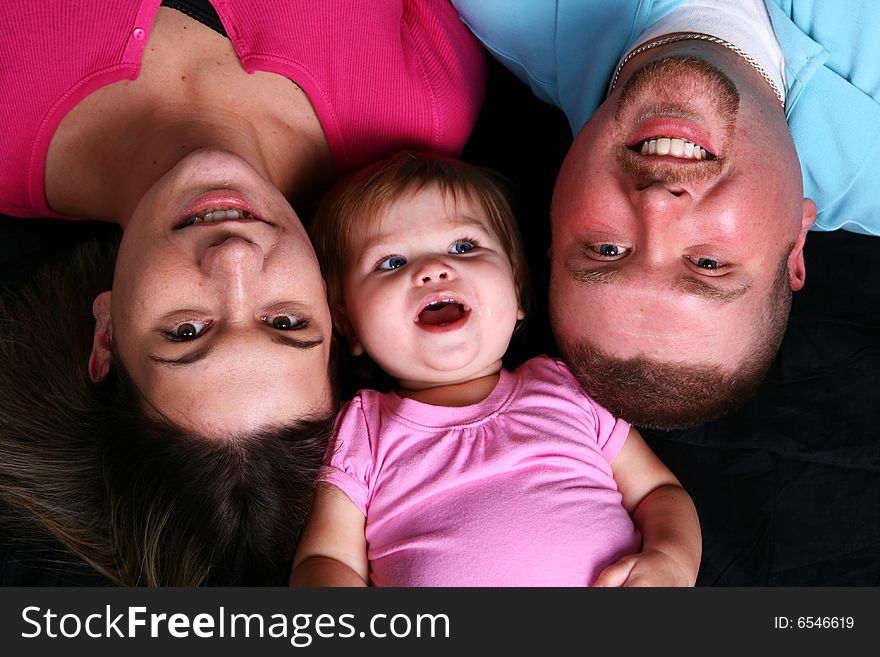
x: 343, y: 325
x: 797, y: 273
x: 99, y: 360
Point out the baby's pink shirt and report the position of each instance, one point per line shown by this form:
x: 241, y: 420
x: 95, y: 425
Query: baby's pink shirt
x: 514, y: 491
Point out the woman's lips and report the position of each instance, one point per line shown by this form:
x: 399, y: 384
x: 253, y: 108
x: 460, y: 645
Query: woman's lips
x: 233, y: 205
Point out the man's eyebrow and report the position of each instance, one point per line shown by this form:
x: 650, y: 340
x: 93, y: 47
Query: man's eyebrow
x: 601, y: 276
x: 688, y: 284
x: 202, y: 352
x: 708, y: 291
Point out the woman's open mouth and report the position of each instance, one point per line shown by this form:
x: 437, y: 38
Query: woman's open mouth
x: 218, y: 214
x: 216, y: 206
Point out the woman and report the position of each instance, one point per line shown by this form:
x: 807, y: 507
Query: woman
x: 192, y: 126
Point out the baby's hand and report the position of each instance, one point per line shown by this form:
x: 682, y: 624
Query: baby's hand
x: 651, y: 568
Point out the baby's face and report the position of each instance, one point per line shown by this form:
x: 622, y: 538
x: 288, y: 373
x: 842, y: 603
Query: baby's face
x: 429, y: 292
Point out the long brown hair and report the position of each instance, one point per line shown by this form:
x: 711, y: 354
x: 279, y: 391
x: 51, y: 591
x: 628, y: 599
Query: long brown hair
x: 141, y: 501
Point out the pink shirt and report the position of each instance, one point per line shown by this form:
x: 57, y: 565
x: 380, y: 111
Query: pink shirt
x: 514, y: 491
x: 381, y: 75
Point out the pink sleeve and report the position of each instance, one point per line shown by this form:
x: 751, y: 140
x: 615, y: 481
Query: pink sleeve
x: 611, y: 432
x: 350, y: 457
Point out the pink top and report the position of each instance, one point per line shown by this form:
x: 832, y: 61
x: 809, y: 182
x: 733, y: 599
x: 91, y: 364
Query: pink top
x: 381, y: 75
x: 514, y: 491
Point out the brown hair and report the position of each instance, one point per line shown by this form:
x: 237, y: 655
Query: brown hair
x: 141, y: 501
x: 659, y: 395
x: 357, y: 200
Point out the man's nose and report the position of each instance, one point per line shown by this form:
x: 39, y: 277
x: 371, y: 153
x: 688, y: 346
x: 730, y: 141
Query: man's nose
x: 660, y: 202
x: 233, y: 257
x: 431, y: 271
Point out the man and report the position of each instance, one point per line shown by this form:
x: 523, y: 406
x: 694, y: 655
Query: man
x: 680, y: 213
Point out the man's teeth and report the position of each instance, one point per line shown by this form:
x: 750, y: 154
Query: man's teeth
x: 219, y: 214
x: 674, y: 147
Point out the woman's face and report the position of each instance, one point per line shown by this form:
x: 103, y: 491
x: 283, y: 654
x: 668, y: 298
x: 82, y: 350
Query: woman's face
x: 222, y: 321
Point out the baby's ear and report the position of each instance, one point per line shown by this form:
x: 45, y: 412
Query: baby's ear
x: 343, y: 325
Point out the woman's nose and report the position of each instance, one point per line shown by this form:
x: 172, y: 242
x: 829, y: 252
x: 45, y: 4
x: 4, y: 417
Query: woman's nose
x: 234, y: 256
x: 432, y: 271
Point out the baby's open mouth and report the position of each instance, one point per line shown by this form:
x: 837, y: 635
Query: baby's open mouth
x: 442, y: 313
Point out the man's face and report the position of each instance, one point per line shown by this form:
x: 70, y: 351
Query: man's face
x: 671, y: 215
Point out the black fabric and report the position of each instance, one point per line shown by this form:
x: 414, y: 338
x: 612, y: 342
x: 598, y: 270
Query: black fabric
x: 787, y: 488
x: 201, y: 10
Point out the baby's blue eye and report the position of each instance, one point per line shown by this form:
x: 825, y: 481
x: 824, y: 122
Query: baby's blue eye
x: 188, y: 330
x: 462, y: 246
x: 392, y: 262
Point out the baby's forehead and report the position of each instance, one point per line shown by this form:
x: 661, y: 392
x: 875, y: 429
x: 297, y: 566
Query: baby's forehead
x: 384, y: 226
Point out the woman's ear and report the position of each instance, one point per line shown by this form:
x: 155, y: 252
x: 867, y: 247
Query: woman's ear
x: 99, y: 360
x: 343, y: 325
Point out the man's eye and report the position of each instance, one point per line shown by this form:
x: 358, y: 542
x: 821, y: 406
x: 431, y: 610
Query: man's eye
x: 706, y: 263
x: 391, y: 262
x: 708, y: 266
x: 462, y: 246
x: 716, y: 267
x: 188, y: 330
x: 285, y: 322
x: 609, y: 251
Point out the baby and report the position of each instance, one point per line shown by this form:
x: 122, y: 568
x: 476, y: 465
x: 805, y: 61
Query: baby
x: 467, y: 474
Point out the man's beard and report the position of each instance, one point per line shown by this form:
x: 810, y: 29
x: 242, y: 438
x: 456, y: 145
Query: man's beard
x: 690, y: 77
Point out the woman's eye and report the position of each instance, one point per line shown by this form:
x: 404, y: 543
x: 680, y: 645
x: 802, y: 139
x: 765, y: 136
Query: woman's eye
x: 188, y: 330
x: 462, y: 246
x: 391, y: 262
x: 285, y: 322
x: 609, y: 250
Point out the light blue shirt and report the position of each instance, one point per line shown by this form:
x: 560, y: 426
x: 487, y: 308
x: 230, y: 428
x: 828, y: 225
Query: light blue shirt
x: 566, y: 51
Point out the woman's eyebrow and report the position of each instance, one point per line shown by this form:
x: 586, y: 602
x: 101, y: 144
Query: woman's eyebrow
x: 289, y: 341
x: 187, y: 359
x: 202, y: 352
